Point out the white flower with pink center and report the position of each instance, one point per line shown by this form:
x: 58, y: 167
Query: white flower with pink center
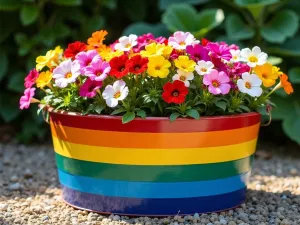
x: 183, y: 76
x: 126, y: 43
x: 66, y: 73
x: 180, y: 40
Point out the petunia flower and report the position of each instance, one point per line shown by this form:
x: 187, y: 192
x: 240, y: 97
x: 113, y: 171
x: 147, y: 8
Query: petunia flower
x: 27, y: 98
x: 235, y: 55
x: 238, y: 69
x: 174, y: 92
x: 153, y: 49
x: 74, y: 48
x: 253, y: 57
x: 287, y: 86
x: 267, y: 73
x: 184, y: 63
x: 197, y: 52
x: 183, y: 76
x: 137, y: 64
x: 89, y: 88
x: 46, y: 60
x: 250, y: 84
x: 86, y: 58
x: 158, y: 66
x: 66, y: 73
x: 98, y: 70
x: 96, y: 41
x: 29, y: 81
x: 126, y: 43
x: 180, y: 40
x: 219, y: 51
x: 144, y: 40
x: 44, y: 79
x: 204, y: 67
x: 118, y: 66
x: 218, y: 82
x: 114, y: 93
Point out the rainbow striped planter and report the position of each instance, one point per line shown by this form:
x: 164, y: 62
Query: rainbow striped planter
x: 154, y: 167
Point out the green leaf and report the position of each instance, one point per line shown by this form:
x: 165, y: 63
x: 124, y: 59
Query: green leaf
x: 99, y: 108
x: 221, y: 104
x: 127, y: 117
x: 244, y: 108
x: 9, y: 109
x: 274, y: 60
x: 164, y: 4
x: 193, y: 113
x: 141, y: 113
x: 29, y: 14
x: 283, y: 109
x: 284, y: 25
x: 111, y: 4
x: 136, y: 10
x: 237, y: 29
x: 185, y: 18
x: 118, y: 111
x: 10, y: 5
x: 3, y: 64
x: 16, y: 82
x: 174, y: 116
x: 68, y: 2
x: 141, y: 28
x: 291, y: 127
x: 288, y: 48
x: 294, y: 75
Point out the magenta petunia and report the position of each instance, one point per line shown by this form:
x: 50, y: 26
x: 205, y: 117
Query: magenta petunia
x: 27, y: 98
x: 217, y: 82
x: 89, y: 88
x: 219, y: 51
x: 98, y: 70
x: 86, y: 58
x: 197, y: 52
x: 29, y: 81
x: 161, y: 40
x: 144, y: 40
x: 238, y: 69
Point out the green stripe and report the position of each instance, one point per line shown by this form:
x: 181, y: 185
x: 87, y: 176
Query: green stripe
x: 184, y: 173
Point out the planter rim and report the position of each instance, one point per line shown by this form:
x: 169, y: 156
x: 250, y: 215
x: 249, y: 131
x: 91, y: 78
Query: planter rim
x: 70, y: 113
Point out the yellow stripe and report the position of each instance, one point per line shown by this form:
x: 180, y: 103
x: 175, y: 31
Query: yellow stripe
x: 134, y: 156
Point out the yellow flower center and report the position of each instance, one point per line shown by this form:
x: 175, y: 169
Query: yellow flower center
x: 253, y: 59
x: 157, y: 68
x: 203, y: 69
x: 264, y: 75
x: 68, y: 75
x: 128, y: 45
x: 182, y: 43
x: 248, y: 85
x: 182, y: 78
x: 117, y: 94
x: 215, y: 83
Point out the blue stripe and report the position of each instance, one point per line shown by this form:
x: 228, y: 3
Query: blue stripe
x: 153, y: 207
x: 153, y: 189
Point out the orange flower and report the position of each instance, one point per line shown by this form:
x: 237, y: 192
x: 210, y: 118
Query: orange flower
x: 267, y: 73
x: 287, y: 86
x: 97, y: 39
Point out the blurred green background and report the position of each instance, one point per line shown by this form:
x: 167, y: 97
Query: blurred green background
x: 28, y: 28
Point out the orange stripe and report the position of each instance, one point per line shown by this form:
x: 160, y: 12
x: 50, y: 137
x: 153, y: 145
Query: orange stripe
x: 154, y: 140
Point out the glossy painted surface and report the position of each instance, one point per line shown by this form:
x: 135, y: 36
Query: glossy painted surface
x: 152, y: 166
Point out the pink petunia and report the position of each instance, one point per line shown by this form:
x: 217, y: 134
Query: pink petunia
x: 86, y: 58
x: 197, y: 52
x: 217, y: 82
x: 89, y: 88
x: 27, y: 98
x: 29, y: 81
x: 238, y: 69
x: 98, y: 70
x: 144, y: 40
x: 219, y: 51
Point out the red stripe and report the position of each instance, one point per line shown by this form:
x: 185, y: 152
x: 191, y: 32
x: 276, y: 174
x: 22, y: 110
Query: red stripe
x: 156, y: 124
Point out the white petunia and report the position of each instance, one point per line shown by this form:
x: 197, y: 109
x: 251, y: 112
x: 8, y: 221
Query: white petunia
x: 250, y: 84
x: 113, y: 93
x: 180, y: 40
x: 235, y: 55
x: 66, y: 73
x: 183, y: 76
x: 204, y: 67
x: 126, y: 43
x: 253, y: 57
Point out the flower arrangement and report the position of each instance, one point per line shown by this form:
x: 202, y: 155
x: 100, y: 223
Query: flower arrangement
x: 144, y: 76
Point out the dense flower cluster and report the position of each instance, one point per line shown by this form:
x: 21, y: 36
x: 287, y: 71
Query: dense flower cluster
x: 144, y: 75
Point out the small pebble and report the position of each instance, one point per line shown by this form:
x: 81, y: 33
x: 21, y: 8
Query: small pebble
x: 28, y: 173
x: 14, y: 178
x: 15, y: 187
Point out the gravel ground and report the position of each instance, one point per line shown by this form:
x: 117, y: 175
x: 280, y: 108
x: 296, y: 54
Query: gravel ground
x: 30, y: 193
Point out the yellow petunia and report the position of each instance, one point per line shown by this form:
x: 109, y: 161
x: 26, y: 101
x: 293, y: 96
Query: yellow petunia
x: 184, y: 63
x: 108, y: 55
x: 43, y: 79
x: 153, y: 49
x: 267, y: 73
x: 50, y: 59
x: 158, y: 66
x: 167, y: 51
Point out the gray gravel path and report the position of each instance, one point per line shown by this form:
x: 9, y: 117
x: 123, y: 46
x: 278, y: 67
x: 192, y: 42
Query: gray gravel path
x: 30, y: 193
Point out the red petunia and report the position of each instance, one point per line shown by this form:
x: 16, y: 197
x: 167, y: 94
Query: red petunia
x: 174, y: 92
x: 118, y: 66
x: 137, y: 64
x: 74, y: 48
x: 204, y: 41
